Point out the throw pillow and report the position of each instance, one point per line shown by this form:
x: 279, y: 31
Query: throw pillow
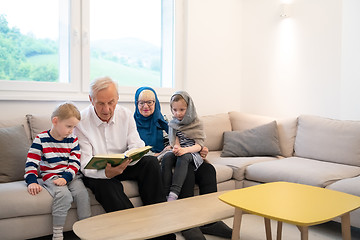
x: 259, y: 141
x: 14, y: 146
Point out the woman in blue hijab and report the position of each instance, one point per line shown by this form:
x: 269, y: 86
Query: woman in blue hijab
x: 151, y: 124
x: 149, y: 120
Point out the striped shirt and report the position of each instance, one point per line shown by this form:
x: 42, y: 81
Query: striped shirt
x: 54, y: 157
x: 188, y: 142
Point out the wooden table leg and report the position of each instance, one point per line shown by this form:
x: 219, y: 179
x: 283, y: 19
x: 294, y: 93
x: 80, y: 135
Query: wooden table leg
x: 236, y: 224
x: 345, y: 226
x: 304, y: 230
x: 268, y: 229
x: 279, y: 230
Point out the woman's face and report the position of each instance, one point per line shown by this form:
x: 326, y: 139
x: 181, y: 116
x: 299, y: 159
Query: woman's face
x: 146, y: 103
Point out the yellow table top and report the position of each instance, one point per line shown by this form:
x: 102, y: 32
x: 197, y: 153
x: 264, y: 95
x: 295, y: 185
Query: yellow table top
x: 293, y: 203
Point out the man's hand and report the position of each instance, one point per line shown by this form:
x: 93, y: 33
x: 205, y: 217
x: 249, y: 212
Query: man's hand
x: 60, y: 182
x: 204, y: 152
x: 111, y: 172
x: 34, y: 188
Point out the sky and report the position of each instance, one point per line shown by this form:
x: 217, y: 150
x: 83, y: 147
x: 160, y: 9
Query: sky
x: 136, y: 20
x: 108, y: 18
x: 39, y: 17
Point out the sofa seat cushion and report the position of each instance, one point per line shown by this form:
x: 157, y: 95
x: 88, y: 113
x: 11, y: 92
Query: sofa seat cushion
x: 300, y: 170
x: 237, y: 164
x: 15, y: 201
x: 223, y: 173
x: 131, y: 188
x: 348, y: 185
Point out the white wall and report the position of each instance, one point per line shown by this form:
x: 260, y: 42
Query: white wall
x: 213, y: 54
x: 240, y: 55
x: 292, y: 65
x: 305, y: 64
x: 350, y: 104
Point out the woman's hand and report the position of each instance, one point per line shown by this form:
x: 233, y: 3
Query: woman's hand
x: 111, y: 172
x: 167, y: 148
x: 204, y: 152
x: 34, y: 188
x: 60, y: 182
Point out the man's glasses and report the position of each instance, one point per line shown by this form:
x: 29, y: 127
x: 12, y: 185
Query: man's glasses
x: 149, y: 103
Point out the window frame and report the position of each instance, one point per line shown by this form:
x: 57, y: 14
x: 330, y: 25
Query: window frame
x: 79, y: 57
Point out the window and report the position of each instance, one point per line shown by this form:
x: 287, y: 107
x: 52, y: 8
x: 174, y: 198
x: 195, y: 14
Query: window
x: 32, y: 55
x: 62, y: 49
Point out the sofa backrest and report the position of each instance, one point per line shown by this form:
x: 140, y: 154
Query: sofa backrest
x: 215, y: 126
x: 15, y: 121
x: 286, y: 128
x: 328, y: 140
x: 38, y: 123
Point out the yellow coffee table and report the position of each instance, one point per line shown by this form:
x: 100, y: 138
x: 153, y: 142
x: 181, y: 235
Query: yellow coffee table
x: 298, y: 204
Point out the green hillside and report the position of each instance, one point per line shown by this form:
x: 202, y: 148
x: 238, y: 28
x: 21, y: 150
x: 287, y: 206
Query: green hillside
x: 126, y: 76
x: 39, y: 60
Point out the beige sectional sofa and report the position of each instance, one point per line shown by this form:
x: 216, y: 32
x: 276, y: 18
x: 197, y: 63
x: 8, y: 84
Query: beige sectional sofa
x: 245, y: 149
x: 315, y: 151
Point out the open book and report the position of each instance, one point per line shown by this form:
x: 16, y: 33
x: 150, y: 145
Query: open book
x: 99, y: 161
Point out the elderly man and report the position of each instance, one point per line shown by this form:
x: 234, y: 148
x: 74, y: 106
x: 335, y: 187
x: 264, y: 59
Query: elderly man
x: 107, y: 128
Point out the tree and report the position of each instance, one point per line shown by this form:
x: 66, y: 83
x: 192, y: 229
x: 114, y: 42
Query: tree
x: 4, y: 28
x: 45, y: 73
x: 16, y: 48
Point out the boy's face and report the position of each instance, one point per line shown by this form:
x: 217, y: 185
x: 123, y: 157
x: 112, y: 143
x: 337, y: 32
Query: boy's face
x: 178, y: 109
x: 63, y: 128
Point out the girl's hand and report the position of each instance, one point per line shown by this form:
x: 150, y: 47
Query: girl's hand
x: 176, y: 149
x: 179, y: 151
x: 60, y: 182
x: 34, y: 188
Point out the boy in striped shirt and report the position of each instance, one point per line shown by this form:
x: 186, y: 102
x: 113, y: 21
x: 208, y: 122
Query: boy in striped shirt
x: 57, y: 153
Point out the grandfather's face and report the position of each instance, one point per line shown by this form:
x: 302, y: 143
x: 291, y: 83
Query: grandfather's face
x: 105, y: 102
x: 146, y: 103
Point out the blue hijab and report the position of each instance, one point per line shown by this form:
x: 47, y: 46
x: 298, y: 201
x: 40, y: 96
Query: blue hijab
x: 151, y: 128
